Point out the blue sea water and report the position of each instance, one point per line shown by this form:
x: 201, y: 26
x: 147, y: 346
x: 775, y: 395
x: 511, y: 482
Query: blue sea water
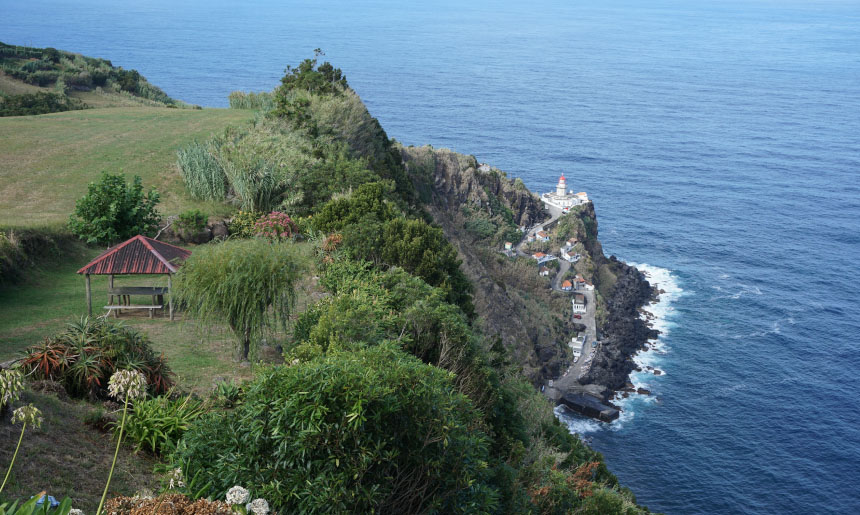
x: 719, y: 140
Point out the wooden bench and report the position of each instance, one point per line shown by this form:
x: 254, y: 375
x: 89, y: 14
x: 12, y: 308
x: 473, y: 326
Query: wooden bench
x: 116, y: 308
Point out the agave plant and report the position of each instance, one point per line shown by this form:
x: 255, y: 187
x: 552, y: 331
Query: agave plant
x: 48, y: 360
x: 87, y: 353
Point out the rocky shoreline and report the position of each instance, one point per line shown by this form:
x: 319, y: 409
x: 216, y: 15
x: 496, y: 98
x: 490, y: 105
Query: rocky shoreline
x: 624, y: 334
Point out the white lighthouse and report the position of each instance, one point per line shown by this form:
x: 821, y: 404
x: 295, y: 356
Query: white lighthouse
x: 561, y: 187
x: 563, y: 199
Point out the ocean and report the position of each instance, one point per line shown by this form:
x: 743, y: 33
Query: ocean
x: 719, y: 141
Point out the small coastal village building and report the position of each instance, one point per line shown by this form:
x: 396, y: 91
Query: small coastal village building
x: 566, y: 286
x: 569, y: 255
x: 542, y: 236
x: 530, y: 238
x: 484, y: 167
x: 562, y: 198
x: 571, y: 242
x: 579, y: 303
x: 138, y: 256
x: 543, y: 258
x: 544, y: 271
x: 508, y: 245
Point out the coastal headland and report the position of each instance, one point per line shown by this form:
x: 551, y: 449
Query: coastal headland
x: 579, y: 360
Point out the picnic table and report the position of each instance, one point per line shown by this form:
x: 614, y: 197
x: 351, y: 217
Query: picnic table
x: 124, y: 293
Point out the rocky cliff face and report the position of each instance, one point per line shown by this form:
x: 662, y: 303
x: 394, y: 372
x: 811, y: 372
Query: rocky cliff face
x: 511, y: 304
x: 449, y: 180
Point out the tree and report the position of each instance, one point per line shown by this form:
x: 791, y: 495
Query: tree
x: 112, y: 210
x: 249, y: 284
x: 307, y: 76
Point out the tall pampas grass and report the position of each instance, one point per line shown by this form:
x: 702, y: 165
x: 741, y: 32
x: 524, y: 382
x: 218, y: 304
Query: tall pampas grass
x: 202, y: 171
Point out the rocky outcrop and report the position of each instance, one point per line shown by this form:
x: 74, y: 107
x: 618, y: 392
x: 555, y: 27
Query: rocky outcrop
x: 623, y: 333
x: 172, y: 234
x: 453, y: 180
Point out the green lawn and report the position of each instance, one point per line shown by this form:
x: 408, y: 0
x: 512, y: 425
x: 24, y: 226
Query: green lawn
x: 46, y: 161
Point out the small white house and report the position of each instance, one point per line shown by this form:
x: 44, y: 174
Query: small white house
x: 508, y: 245
x: 579, y: 304
x: 569, y: 255
x: 542, y: 236
x: 566, y: 286
x: 544, y: 271
x: 530, y: 238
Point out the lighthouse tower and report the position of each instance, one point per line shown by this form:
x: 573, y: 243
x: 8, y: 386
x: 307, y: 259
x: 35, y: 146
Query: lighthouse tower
x: 561, y: 187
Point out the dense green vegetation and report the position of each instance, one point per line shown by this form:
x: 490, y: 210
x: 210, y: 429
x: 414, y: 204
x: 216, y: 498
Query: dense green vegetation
x: 64, y: 72
x: 38, y: 103
x: 84, y: 356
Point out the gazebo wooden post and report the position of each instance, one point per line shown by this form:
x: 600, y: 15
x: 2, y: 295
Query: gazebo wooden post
x: 89, y: 296
x: 170, y: 295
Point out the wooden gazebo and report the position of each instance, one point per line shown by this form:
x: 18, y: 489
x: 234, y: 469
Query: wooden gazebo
x: 137, y: 256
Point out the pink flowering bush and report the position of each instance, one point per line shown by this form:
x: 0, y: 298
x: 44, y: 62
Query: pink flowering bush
x: 275, y: 225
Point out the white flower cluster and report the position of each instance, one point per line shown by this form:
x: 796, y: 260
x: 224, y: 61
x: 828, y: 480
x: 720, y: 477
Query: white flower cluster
x: 237, y: 495
x: 28, y: 415
x: 257, y: 507
x: 127, y: 382
x: 11, y: 384
x: 75, y: 511
x: 176, y: 479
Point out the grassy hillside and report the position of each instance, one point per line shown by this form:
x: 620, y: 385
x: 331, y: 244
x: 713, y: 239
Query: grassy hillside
x: 47, y: 160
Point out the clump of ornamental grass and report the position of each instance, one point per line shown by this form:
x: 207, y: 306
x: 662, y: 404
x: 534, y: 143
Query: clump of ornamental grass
x: 201, y: 170
x: 241, y: 100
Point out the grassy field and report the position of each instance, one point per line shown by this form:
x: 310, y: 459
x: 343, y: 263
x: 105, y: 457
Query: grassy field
x: 46, y: 161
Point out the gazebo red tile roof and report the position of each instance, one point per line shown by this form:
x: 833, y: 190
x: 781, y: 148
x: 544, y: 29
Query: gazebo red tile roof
x: 139, y: 255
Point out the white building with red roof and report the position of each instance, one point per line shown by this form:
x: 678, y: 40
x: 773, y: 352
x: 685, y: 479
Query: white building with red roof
x: 562, y: 198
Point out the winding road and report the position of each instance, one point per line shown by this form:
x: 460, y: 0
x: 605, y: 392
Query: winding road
x: 588, y: 318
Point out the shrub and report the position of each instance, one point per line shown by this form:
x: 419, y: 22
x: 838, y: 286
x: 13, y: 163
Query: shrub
x: 88, y: 352
x: 275, y: 225
x: 203, y: 174
x: 247, y: 284
x: 242, y: 224
x: 191, y: 221
x: 373, y: 431
x: 112, y: 210
x: 228, y: 393
x: 156, y: 424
